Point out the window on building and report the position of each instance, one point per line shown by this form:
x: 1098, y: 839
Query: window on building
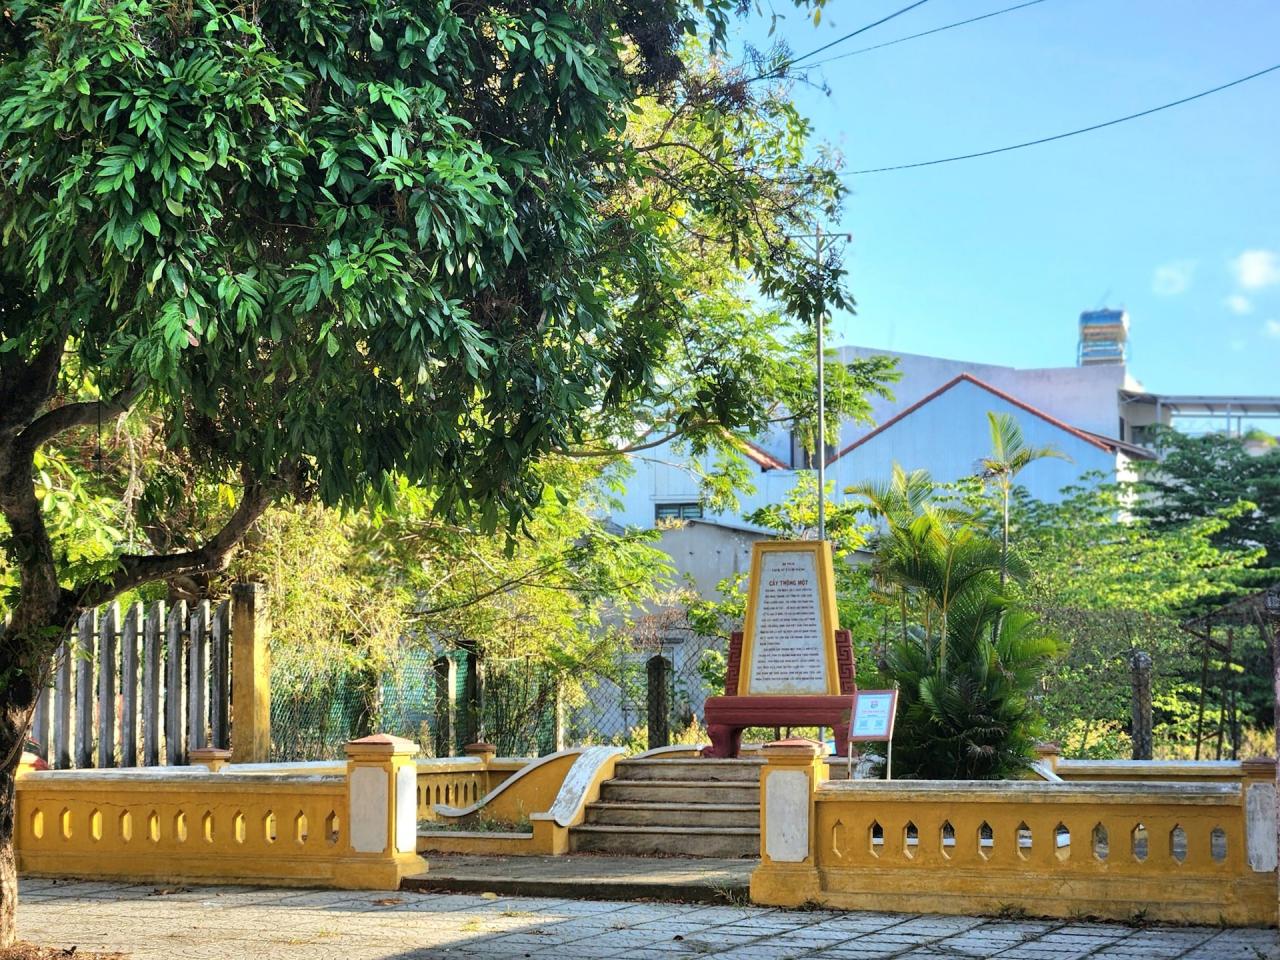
x: 677, y: 511
x: 803, y: 458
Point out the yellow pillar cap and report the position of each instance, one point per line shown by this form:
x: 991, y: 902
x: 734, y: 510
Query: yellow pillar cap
x: 380, y: 746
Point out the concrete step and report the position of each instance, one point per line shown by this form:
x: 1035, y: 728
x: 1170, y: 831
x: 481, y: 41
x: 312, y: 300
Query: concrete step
x: 591, y: 878
x: 670, y: 841
x: 675, y: 814
x: 729, y: 771
x: 678, y: 791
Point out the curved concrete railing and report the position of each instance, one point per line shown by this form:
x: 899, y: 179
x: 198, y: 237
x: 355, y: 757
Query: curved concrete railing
x: 552, y: 792
x: 529, y: 790
x: 582, y: 785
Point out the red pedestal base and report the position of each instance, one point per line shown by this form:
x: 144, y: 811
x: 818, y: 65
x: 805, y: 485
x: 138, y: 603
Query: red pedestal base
x: 727, y: 717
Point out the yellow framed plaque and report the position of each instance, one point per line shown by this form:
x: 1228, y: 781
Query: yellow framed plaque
x: 789, y: 637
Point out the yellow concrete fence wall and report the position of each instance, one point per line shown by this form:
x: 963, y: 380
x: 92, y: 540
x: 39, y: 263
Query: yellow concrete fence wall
x: 1186, y: 852
x: 354, y: 830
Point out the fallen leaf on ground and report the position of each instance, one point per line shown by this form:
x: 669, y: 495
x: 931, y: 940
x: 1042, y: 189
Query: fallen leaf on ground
x: 389, y: 901
x: 488, y: 896
x: 31, y: 951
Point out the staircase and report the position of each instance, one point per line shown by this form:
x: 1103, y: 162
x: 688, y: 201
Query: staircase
x: 687, y: 808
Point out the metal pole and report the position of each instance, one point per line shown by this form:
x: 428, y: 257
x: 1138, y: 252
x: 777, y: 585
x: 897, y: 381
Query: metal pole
x: 822, y: 400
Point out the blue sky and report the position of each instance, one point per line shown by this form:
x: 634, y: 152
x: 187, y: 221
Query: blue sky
x: 1175, y: 217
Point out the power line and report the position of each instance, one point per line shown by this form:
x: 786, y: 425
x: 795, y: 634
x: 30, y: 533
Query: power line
x: 838, y: 40
x: 1069, y: 133
x: 925, y: 33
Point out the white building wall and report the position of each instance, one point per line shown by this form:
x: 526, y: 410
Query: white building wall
x: 704, y: 554
x: 1085, y: 397
x: 656, y: 480
x: 946, y: 437
x: 950, y: 434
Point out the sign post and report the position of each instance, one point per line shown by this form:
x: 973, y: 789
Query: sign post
x: 873, y: 715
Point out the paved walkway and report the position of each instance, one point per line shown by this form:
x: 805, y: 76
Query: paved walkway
x: 200, y: 923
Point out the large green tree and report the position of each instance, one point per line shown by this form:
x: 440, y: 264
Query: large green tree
x: 1202, y: 476
x: 1111, y: 584
x: 323, y: 244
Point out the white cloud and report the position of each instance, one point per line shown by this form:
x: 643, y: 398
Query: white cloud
x: 1172, y: 279
x: 1255, y: 269
x: 1271, y: 329
x: 1238, y: 303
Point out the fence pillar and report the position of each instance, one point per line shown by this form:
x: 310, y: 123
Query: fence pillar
x: 1140, y: 664
x: 560, y: 721
x: 133, y: 622
x: 1259, y: 790
x: 467, y: 714
x: 212, y: 759
x: 251, y: 674
x: 788, y: 871
x: 484, y: 752
x: 659, y: 701
x: 444, y: 699
x: 382, y: 791
x: 62, y: 706
x: 1047, y: 756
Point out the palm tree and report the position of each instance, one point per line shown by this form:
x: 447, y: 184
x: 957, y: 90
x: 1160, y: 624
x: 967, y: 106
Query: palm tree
x: 978, y: 719
x: 1009, y: 456
x: 929, y: 554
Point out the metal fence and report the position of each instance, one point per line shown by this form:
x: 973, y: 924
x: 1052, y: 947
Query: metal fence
x: 644, y: 695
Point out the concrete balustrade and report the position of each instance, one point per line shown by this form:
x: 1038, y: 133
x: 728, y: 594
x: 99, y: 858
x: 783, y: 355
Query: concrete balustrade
x: 355, y: 829
x: 1200, y: 852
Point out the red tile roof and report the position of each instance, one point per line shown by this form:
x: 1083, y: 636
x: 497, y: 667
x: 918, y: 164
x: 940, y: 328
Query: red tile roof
x: 1102, y: 443
x: 761, y: 456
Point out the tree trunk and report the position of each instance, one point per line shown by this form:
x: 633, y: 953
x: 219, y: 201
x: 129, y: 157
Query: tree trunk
x: 13, y: 730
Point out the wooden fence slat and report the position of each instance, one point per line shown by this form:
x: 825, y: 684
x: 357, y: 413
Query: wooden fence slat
x: 152, y: 628
x: 220, y: 676
x: 40, y: 722
x: 84, y: 654
x: 108, y: 633
x: 62, y: 707
x: 174, y: 749
x: 197, y: 676
x: 129, y: 686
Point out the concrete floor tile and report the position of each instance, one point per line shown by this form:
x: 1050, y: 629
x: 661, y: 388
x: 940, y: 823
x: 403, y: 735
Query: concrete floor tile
x: 213, y: 923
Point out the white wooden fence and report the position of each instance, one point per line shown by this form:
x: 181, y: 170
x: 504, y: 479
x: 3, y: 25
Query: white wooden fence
x: 129, y: 691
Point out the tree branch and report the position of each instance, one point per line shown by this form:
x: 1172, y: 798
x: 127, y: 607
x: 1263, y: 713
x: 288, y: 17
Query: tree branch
x: 50, y: 424
x: 137, y: 569
x: 25, y: 387
x: 635, y: 447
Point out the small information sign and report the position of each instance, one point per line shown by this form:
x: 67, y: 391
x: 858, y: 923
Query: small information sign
x: 873, y: 713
